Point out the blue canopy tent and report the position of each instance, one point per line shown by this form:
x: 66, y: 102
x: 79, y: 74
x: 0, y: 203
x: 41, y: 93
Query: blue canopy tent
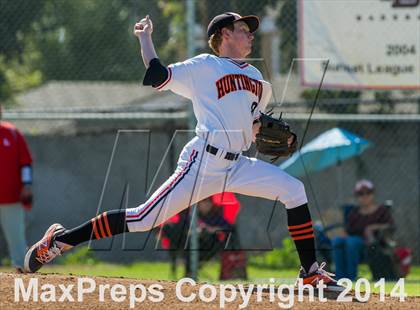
x: 328, y: 149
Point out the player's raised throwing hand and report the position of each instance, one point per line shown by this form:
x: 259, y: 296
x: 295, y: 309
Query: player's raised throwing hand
x: 144, y: 26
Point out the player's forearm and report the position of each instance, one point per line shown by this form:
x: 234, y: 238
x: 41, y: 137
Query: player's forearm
x: 147, y: 49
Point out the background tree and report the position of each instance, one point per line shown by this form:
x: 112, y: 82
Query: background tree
x: 88, y: 40
x: 16, y: 50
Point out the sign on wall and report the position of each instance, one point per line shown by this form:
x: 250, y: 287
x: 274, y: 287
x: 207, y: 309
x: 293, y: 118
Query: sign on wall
x: 369, y: 44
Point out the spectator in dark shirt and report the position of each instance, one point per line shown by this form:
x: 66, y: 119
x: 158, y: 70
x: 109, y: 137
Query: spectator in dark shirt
x: 210, y: 218
x: 212, y: 229
x: 216, y: 216
x: 363, y: 224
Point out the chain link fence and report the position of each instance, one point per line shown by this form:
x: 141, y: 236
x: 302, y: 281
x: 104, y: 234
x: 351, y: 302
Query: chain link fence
x: 70, y: 74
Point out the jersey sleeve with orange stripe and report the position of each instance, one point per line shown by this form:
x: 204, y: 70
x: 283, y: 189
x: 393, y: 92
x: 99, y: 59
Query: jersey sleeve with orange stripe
x: 181, y: 75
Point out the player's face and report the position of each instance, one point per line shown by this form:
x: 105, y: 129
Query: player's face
x: 241, y: 38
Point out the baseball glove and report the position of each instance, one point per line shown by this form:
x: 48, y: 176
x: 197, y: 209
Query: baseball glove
x: 275, y: 137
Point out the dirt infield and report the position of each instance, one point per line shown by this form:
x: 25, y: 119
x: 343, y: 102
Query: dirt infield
x: 11, y: 283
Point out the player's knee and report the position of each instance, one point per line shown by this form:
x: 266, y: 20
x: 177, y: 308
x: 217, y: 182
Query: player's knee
x: 139, y: 226
x: 297, y: 188
x: 136, y: 222
x: 296, y: 194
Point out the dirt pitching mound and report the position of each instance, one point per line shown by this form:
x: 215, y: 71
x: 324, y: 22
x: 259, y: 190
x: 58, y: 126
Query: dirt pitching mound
x: 53, y: 291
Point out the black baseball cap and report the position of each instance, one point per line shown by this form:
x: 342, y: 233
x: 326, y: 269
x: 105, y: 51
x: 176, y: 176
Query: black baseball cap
x: 225, y: 19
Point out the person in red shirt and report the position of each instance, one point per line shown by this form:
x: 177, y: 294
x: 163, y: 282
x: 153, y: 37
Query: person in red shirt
x: 15, y: 189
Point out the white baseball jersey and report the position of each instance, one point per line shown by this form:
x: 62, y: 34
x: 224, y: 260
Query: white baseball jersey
x: 227, y: 97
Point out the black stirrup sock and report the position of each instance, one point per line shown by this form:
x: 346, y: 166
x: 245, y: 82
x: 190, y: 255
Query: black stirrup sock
x: 300, y: 228
x: 105, y: 225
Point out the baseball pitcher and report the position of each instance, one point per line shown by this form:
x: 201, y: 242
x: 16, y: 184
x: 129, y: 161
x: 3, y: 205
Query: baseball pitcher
x: 229, y: 97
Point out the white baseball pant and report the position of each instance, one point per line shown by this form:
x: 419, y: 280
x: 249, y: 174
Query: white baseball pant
x: 200, y: 174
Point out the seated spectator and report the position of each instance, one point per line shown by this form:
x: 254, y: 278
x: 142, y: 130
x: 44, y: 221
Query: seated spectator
x: 210, y: 218
x: 363, y: 226
x: 217, y: 234
x: 212, y: 229
x: 233, y: 259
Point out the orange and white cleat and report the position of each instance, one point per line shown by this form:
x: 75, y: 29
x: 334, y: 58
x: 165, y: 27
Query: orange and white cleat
x: 316, y: 274
x: 45, y: 250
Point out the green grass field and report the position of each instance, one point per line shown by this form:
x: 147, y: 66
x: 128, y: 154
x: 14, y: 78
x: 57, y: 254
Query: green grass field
x: 209, y: 273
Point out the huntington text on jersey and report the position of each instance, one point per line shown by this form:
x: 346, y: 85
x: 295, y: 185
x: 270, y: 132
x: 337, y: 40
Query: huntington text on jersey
x: 234, y: 82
